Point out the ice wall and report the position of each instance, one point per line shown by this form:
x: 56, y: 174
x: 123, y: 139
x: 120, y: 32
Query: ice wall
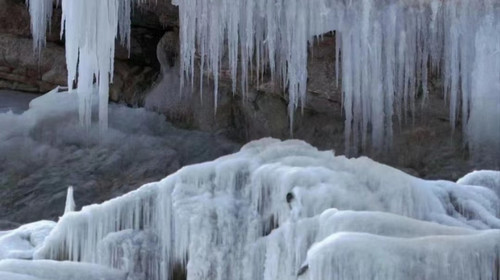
x: 257, y: 214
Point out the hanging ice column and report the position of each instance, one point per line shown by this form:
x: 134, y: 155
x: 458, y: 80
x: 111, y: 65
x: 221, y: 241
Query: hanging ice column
x: 384, y: 51
x: 90, y: 28
x: 41, y: 14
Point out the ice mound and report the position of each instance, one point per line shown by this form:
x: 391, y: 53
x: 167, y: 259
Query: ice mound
x: 276, y: 210
x: 21, y: 243
x: 485, y: 178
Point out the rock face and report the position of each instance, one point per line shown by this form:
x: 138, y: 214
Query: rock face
x: 424, y: 144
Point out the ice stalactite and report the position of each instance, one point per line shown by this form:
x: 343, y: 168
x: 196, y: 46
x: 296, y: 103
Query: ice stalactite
x: 89, y: 29
x: 257, y: 214
x: 41, y: 15
x: 483, y: 126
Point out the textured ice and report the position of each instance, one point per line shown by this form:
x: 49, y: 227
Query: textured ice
x: 52, y: 270
x: 21, y: 243
x: 365, y: 256
x: 257, y: 214
x: 485, y: 178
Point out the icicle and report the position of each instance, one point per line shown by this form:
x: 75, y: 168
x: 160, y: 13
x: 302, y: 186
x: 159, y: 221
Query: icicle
x: 386, y: 50
x: 90, y: 31
x: 70, y: 202
x: 41, y: 14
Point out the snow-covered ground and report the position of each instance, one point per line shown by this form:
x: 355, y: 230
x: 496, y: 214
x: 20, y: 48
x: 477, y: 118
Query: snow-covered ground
x: 275, y: 210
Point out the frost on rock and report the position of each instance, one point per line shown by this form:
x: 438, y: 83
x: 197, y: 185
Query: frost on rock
x: 270, y: 212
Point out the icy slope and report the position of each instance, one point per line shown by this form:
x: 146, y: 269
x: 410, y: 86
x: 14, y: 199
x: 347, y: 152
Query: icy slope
x: 257, y: 214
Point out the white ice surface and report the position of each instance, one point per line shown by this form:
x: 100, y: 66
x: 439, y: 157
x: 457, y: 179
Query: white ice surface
x: 21, y: 243
x: 485, y: 178
x: 257, y: 214
x: 53, y: 270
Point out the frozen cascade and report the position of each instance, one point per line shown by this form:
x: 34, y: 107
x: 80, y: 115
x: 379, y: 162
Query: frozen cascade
x: 267, y: 212
x: 385, y: 49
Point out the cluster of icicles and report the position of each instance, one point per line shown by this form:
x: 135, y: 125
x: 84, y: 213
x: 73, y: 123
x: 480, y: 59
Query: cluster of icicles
x: 268, y: 212
x: 384, y: 51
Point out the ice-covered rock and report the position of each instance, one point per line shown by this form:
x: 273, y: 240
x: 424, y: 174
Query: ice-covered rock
x: 257, y: 214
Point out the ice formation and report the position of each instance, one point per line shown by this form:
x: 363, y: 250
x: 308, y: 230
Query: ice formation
x: 70, y: 201
x: 89, y: 29
x: 385, y: 50
x: 485, y: 178
x: 52, y: 270
x: 41, y: 14
x: 270, y: 212
x: 21, y: 243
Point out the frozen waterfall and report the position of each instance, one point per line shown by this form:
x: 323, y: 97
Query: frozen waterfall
x: 386, y: 51
x: 278, y: 209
